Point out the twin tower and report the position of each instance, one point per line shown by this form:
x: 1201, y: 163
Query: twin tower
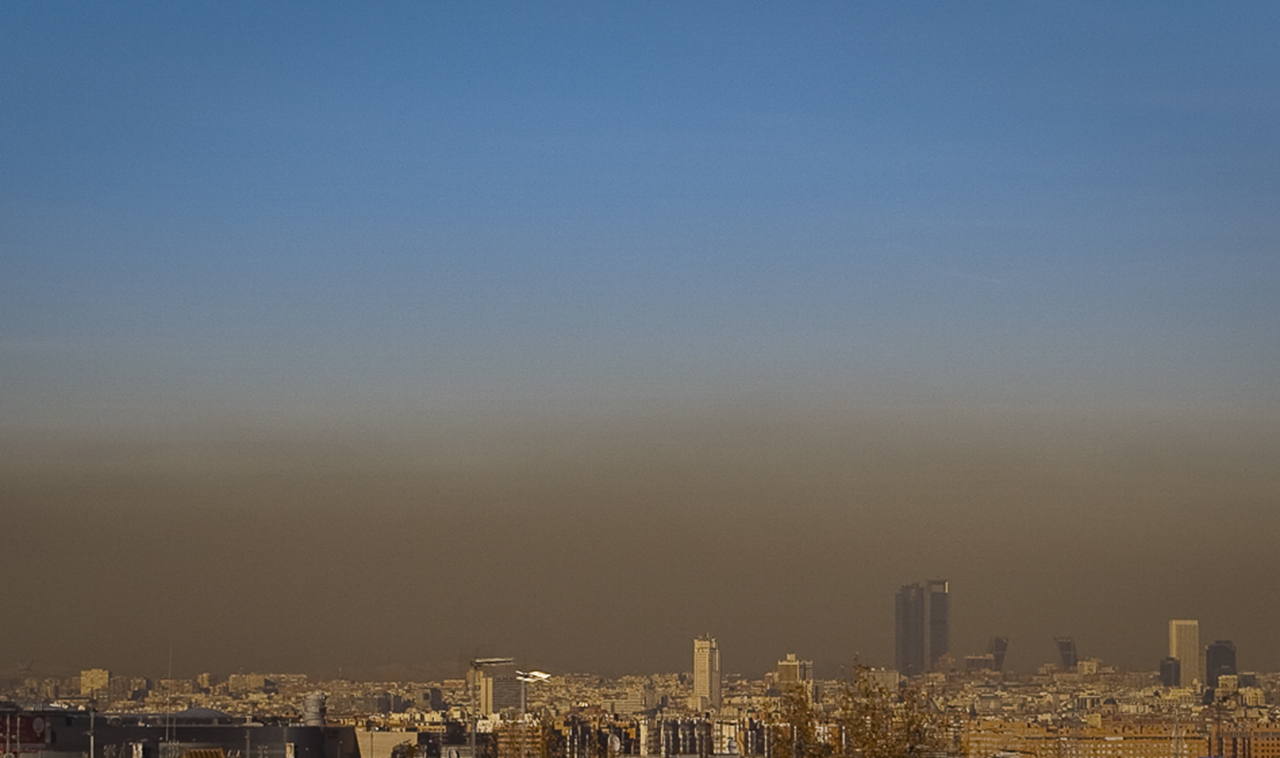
x: 921, y: 626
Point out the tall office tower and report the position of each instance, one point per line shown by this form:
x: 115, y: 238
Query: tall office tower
x: 997, y: 648
x: 793, y: 670
x: 706, y: 671
x: 1219, y: 659
x: 908, y: 636
x: 794, y: 674
x: 499, y: 689
x: 1170, y: 675
x: 93, y: 682
x: 939, y: 593
x: 1067, y: 653
x: 1184, y: 644
x: 922, y: 626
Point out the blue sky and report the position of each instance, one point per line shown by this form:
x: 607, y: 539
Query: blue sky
x: 243, y: 205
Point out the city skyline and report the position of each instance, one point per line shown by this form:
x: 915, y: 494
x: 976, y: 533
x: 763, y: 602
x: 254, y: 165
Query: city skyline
x: 491, y: 681
x: 707, y: 675
x: 974, y: 714
x: 355, y: 338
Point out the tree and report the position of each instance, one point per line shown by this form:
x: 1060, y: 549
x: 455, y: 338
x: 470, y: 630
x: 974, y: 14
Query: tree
x: 877, y: 723
x: 795, y: 732
x: 869, y: 722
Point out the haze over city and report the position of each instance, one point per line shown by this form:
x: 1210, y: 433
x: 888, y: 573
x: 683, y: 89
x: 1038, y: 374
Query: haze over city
x: 372, y: 339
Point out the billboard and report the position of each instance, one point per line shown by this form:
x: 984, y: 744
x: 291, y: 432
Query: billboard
x: 23, y: 732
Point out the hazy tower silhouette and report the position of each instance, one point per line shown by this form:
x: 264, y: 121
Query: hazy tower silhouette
x: 922, y: 626
x: 908, y: 630
x: 1067, y: 652
x: 1219, y: 659
x: 997, y: 647
x: 938, y: 591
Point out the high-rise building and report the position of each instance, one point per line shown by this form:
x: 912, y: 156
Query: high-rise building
x: 938, y: 591
x: 997, y: 648
x: 706, y: 672
x: 908, y: 630
x: 1067, y: 654
x: 793, y: 670
x: 922, y: 626
x: 1184, y: 644
x: 794, y: 674
x: 93, y: 682
x: 1170, y: 672
x: 1219, y: 659
x: 499, y: 688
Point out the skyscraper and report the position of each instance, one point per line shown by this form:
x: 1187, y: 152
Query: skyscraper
x: 1184, y: 644
x: 1067, y: 654
x: 793, y: 671
x: 997, y: 647
x: 908, y: 630
x: 498, y: 687
x: 1219, y: 659
x: 706, y: 671
x: 939, y: 593
x: 922, y: 626
x: 93, y: 682
x: 795, y: 675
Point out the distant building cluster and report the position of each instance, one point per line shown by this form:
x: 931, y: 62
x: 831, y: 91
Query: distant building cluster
x: 1196, y: 704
